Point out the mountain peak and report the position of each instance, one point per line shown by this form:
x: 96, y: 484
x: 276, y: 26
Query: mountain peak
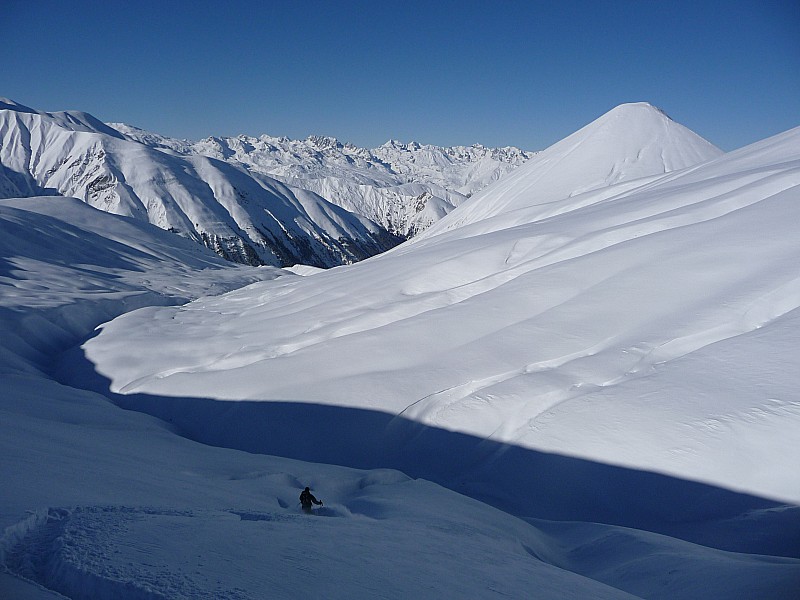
x: 324, y: 142
x: 634, y: 112
x: 630, y: 141
x: 637, y: 107
x: 9, y: 104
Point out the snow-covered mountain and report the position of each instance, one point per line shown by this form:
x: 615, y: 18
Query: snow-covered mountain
x: 253, y: 220
x: 404, y: 187
x: 627, y: 143
x: 561, y: 400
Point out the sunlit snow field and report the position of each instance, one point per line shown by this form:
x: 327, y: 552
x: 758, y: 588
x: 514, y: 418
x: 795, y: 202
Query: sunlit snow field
x: 583, y: 392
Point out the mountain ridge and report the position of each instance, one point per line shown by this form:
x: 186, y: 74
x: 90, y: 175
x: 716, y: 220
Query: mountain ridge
x: 405, y: 187
x: 252, y: 220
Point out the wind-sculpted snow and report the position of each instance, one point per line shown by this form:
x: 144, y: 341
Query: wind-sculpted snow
x: 245, y: 219
x: 403, y: 187
x: 581, y: 327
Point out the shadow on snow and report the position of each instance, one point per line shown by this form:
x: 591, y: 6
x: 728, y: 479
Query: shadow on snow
x: 523, y: 482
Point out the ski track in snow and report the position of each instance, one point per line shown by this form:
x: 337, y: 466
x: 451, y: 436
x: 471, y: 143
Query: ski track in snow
x: 149, y: 553
x: 67, y: 550
x: 84, y: 552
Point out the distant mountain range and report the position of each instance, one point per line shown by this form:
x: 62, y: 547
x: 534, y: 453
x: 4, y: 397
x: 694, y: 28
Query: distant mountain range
x: 403, y: 187
x: 245, y: 217
x: 265, y: 200
x: 276, y: 201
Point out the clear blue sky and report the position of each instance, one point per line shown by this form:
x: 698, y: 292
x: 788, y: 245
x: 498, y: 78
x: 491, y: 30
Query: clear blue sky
x: 497, y: 73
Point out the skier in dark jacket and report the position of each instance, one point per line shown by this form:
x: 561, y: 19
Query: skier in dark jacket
x: 307, y: 499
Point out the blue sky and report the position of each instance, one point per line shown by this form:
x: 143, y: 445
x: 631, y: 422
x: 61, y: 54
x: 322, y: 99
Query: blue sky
x: 497, y: 73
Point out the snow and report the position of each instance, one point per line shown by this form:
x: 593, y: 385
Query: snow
x: 592, y: 397
x: 627, y: 143
x: 251, y: 220
x: 403, y: 187
x: 563, y: 312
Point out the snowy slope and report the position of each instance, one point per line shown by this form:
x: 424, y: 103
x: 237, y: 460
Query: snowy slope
x: 254, y: 221
x: 69, y: 265
x: 627, y: 143
x: 595, y: 329
x: 107, y: 503
x: 404, y: 187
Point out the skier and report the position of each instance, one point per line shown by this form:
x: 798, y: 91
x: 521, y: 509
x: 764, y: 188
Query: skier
x: 307, y: 499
